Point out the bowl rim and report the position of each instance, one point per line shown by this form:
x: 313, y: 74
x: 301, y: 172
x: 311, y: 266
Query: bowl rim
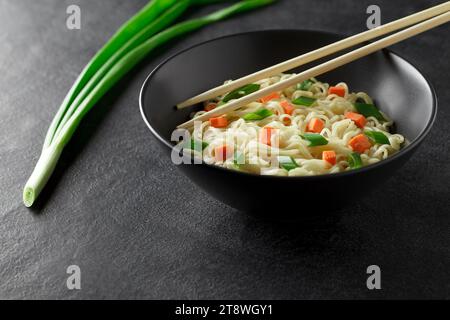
x: 408, y: 148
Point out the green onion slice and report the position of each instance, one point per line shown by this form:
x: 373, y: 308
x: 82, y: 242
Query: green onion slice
x: 315, y: 139
x: 241, y: 92
x: 258, y: 115
x: 305, y: 85
x: 195, y: 145
x: 304, y: 101
x: 369, y: 110
x: 354, y: 160
x: 377, y: 137
x: 239, y: 159
x: 287, y: 163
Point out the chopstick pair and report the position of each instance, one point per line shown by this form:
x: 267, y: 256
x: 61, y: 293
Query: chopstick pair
x: 421, y: 21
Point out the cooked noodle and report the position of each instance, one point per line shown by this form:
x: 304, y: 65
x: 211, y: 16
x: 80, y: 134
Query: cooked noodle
x: 243, y: 137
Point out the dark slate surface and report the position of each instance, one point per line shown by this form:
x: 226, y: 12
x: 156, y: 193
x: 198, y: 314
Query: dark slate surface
x: 139, y: 229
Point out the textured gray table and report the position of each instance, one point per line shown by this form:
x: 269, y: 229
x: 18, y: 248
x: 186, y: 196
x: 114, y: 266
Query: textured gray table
x: 139, y: 229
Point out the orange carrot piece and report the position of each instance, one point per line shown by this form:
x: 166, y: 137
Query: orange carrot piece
x: 210, y: 106
x: 340, y: 91
x: 270, y: 97
x: 357, y: 118
x: 360, y: 143
x: 329, y: 156
x: 224, y: 152
x: 266, y: 135
x: 219, y: 122
x: 316, y: 125
x: 287, y: 107
x: 287, y: 121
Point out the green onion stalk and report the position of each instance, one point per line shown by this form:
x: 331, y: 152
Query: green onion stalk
x: 132, y: 42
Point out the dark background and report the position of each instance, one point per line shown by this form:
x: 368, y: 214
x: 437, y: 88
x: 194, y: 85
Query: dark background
x: 139, y: 229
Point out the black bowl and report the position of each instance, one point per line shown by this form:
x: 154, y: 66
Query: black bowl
x: 398, y: 88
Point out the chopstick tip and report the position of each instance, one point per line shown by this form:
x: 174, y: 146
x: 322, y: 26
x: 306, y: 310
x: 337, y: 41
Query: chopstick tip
x: 182, y: 105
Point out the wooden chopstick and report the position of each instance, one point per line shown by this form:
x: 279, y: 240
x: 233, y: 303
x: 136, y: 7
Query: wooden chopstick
x: 320, y: 53
x: 324, y: 67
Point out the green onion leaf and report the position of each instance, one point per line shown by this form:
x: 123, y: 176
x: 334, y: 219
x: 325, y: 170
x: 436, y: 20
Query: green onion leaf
x: 287, y: 163
x: 241, y: 92
x: 369, y: 110
x: 304, y: 101
x: 258, y: 115
x: 377, y: 137
x: 354, y: 160
x: 305, y: 85
x: 195, y: 145
x: 315, y: 139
